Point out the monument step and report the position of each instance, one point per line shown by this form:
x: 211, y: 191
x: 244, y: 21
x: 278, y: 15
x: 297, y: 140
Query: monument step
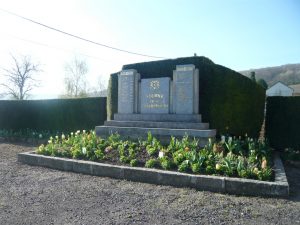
x: 132, y: 131
x: 163, y: 134
x: 152, y: 124
x: 193, y: 118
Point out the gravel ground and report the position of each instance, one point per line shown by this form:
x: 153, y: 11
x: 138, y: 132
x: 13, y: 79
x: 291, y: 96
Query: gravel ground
x: 36, y: 195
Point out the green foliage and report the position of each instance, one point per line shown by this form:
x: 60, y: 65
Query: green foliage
x: 179, y: 156
x: 252, y: 76
x: 152, y: 163
x: 133, y: 162
x: 112, y: 96
x: 282, y: 122
x: 52, y: 115
x: 262, y: 83
x: 196, y: 167
x: 291, y: 154
x: 184, y: 166
x: 166, y: 163
x: 127, y: 149
x: 227, y: 100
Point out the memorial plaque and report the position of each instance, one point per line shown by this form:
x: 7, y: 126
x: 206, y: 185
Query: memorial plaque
x: 128, y: 91
x: 186, y: 90
x: 155, y: 95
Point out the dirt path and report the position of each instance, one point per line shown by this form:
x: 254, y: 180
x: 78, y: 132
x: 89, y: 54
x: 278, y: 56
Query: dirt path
x: 36, y: 195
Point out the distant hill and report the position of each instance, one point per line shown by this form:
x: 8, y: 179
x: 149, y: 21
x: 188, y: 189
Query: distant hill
x: 288, y: 74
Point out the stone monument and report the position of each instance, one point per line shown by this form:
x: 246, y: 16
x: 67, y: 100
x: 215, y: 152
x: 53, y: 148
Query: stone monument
x: 162, y: 106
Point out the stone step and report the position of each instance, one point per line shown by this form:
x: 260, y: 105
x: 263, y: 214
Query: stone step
x: 192, y: 118
x: 152, y: 124
x: 163, y: 134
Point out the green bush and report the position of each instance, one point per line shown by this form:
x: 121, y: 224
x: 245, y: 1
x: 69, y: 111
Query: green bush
x: 112, y: 96
x: 282, y: 122
x: 52, y: 115
x: 229, y: 101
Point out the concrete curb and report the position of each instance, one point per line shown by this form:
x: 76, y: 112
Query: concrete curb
x: 238, y: 186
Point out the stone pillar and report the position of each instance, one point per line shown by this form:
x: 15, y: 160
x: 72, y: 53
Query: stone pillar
x: 186, y: 90
x: 128, y: 91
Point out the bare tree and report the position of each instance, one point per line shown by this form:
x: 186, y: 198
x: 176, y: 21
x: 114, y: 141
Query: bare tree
x: 99, y: 89
x: 20, y: 78
x: 75, y: 78
x: 101, y: 84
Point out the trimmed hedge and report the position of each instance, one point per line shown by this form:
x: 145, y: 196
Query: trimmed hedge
x: 283, y: 122
x: 112, y: 96
x: 53, y: 115
x: 229, y: 101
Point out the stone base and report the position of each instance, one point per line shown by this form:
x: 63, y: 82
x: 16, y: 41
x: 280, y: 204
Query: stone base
x: 192, y: 118
x: 152, y: 124
x: 161, y: 126
x: 163, y: 134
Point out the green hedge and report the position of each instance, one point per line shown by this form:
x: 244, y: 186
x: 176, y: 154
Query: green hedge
x: 112, y: 96
x: 230, y: 102
x: 283, y: 122
x: 53, y: 115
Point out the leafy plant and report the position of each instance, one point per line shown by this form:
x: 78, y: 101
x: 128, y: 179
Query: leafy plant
x: 151, y: 163
x: 133, y: 162
x: 179, y: 156
x: 166, y: 163
x: 196, y: 167
x: 184, y: 166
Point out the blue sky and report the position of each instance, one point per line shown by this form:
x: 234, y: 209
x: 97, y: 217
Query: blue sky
x: 238, y: 34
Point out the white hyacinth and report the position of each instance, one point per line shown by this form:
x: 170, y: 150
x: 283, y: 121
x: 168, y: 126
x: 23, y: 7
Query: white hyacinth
x: 229, y: 139
x: 222, y: 139
x: 83, y: 150
x: 40, y: 136
x: 63, y: 136
x: 160, y: 154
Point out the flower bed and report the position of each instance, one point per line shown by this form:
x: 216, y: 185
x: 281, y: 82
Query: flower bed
x: 233, y: 157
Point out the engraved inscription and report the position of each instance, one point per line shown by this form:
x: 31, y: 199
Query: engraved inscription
x: 126, y: 90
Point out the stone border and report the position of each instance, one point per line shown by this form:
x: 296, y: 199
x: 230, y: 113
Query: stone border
x: 239, y: 186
